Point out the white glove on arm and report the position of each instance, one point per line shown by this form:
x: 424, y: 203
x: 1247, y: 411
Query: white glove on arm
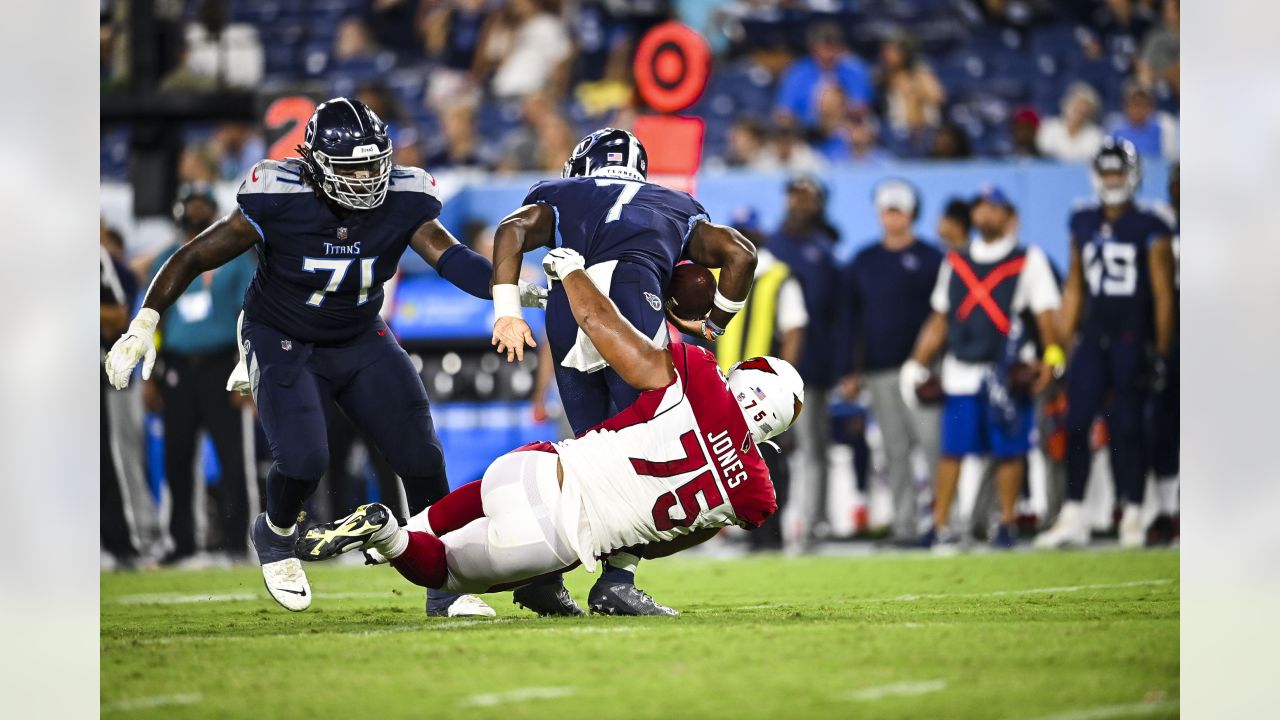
x: 533, y: 296
x: 137, y: 343
x: 909, y: 378
x: 561, y: 261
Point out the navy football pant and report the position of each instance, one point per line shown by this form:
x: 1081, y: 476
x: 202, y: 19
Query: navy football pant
x: 591, y: 398
x: 1107, y: 375
x: 372, y: 381
x: 1166, y: 427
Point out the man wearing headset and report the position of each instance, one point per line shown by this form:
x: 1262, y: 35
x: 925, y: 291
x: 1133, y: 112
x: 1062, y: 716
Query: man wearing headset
x: 887, y: 288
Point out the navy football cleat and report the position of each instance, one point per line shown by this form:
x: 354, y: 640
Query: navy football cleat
x: 624, y: 599
x: 547, y: 598
x: 281, y: 571
x: 367, y: 525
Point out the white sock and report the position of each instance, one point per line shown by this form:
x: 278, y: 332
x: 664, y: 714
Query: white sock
x: 419, y: 523
x: 394, y: 546
x: 1072, y: 513
x: 1167, y: 495
x: 286, y: 532
x: 624, y: 561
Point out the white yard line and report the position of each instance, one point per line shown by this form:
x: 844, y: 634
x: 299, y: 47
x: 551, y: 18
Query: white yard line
x: 1115, y: 711
x: 901, y: 689
x: 371, y: 632
x: 181, y: 599
x: 994, y: 593
x: 153, y: 701
x: 517, y: 695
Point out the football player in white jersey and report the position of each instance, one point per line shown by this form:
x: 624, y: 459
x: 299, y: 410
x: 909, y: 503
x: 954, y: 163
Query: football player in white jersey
x: 668, y: 471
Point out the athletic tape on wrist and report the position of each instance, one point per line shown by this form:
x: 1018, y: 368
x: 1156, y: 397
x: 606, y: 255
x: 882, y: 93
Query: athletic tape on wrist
x: 727, y: 305
x: 506, y: 301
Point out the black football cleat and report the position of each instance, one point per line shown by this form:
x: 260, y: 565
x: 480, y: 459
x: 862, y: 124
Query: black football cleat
x: 608, y: 598
x: 361, y: 529
x: 547, y: 598
x: 1162, y: 532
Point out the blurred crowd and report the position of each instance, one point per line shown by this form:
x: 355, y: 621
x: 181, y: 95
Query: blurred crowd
x: 509, y: 85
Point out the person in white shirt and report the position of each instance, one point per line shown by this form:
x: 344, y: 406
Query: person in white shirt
x: 1073, y: 136
x: 980, y: 294
x: 531, y: 53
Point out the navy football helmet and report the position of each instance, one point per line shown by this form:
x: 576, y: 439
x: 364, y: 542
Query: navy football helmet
x: 1116, y: 155
x: 608, y: 152
x: 348, y: 152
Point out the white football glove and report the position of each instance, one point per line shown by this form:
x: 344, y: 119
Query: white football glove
x: 533, y: 296
x: 909, y: 378
x: 561, y: 261
x: 137, y: 343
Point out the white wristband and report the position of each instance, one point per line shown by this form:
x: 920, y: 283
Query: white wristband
x: 506, y: 301
x: 727, y: 305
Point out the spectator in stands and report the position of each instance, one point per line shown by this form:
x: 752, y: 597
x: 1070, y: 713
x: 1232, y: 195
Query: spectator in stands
x: 392, y: 22
x: 451, y: 33
x: 528, y: 49
x: 748, y: 147
x: 1123, y: 24
x: 778, y: 330
x: 910, y: 93
x: 196, y: 165
x: 954, y: 225
x: 354, y: 45
x: 236, y: 147
x: 1158, y: 64
x: 829, y: 63
x: 457, y: 145
x: 1074, y: 136
x: 382, y: 102
x: 1023, y: 127
x: 864, y: 141
x: 198, y: 353
x: 804, y: 242
x: 885, y: 301
x: 950, y: 142
x: 794, y: 153
x: 1153, y: 133
x: 407, y: 149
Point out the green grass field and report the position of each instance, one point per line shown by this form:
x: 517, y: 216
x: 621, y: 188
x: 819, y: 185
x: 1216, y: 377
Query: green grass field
x: 1023, y: 635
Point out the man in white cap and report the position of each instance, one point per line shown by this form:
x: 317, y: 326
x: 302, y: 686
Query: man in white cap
x: 888, y: 285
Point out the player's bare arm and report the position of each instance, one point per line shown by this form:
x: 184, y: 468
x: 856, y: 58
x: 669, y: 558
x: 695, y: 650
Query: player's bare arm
x: 637, y: 360
x: 720, y: 246
x: 1072, y: 297
x: 1160, y: 258
x: 431, y: 241
x: 527, y: 228
x: 222, y: 242
x: 931, y: 339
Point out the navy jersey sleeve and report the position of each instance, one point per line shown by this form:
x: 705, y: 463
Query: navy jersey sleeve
x: 1077, y: 226
x: 1157, y: 229
x: 267, y: 189
x: 419, y: 193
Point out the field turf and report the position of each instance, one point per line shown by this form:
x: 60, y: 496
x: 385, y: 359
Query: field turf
x: 1073, y: 636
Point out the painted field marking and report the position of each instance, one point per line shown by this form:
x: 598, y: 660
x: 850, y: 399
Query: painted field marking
x: 370, y: 632
x: 1031, y: 591
x: 518, y: 695
x: 182, y: 599
x: 153, y: 701
x: 901, y: 689
x: 1115, y: 711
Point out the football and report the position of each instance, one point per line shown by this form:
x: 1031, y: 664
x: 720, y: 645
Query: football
x: 691, y: 291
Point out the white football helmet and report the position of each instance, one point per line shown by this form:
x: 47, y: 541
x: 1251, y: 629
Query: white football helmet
x: 770, y: 394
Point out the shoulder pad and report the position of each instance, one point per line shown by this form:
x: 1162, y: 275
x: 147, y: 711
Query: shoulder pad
x: 274, y: 176
x: 405, y: 178
x: 1161, y: 210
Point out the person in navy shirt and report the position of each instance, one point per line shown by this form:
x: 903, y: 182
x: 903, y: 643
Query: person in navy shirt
x: 805, y: 242
x: 329, y: 229
x: 887, y: 289
x: 1119, y: 296
x: 630, y: 233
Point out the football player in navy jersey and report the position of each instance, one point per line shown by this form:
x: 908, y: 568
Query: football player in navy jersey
x: 631, y: 233
x: 330, y: 228
x: 1121, y: 281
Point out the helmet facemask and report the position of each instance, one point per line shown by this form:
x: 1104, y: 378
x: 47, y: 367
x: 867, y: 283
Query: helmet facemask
x: 359, y: 182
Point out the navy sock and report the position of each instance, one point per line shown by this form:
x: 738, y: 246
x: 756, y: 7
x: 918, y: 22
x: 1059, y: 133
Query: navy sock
x: 618, y: 575
x: 620, y: 567
x: 285, y: 496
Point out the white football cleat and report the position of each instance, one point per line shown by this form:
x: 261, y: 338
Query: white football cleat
x: 1133, y: 533
x: 469, y: 606
x: 281, y: 570
x: 288, y: 584
x: 1069, y: 530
